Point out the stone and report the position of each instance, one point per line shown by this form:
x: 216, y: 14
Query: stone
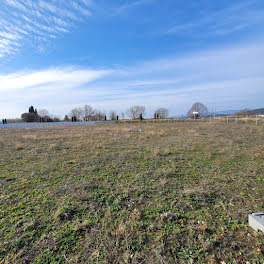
x: 256, y: 221
x: 168, y: 216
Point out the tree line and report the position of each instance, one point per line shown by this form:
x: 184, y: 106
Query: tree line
x: 88, y: 113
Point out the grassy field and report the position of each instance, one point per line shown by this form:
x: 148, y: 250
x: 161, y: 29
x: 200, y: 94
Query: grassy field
x: 95, y: 194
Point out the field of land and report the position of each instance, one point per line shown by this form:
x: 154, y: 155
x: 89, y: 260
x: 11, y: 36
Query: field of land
x: 95, y: 194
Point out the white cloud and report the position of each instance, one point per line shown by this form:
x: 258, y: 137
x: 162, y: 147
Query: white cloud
x: 16, y: 4
x: 129, y: 5
x: 228, y: 20
x: 30, y: 21
x: 7, y: 35
x: 88, y: 2
x: 47, y: 6
x: 81, y: 9
x: 225, y: 78
x: 57, y: 76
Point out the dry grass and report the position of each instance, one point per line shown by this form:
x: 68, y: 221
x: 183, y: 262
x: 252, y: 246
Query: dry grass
x: 95, y: 194
x: 18, y: 146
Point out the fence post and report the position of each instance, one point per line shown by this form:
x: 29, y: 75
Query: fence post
x: 256, y: 119
x: 227, y: 120
x: 236, y: 119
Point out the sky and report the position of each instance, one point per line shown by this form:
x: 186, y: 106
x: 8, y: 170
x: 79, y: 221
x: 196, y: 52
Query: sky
x: 113, y: 54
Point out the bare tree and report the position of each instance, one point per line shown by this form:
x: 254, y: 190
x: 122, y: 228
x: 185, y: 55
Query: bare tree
x: 43, y: 112
x: 56, y: 119
x: 134, y: 112
x: 161, y: 113
x: 14, y: 120
x: 98, y: 115
x: 88, y: 110
x: 198, y: 108
x: 78, y: 112
x: 112, y: 115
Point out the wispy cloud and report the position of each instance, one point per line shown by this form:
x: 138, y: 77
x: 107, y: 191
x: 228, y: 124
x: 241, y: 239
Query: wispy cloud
x: 59, y: 76
x: 26, y: 21
x: 227, y: 20
x: 130, y: 4
x: 82, y: 10
x: 227, y: 78
x: 88, y: 3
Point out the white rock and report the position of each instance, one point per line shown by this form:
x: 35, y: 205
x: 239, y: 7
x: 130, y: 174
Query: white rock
x: 256, y: 221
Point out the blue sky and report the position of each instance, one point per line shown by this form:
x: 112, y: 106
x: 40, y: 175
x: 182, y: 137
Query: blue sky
x: 58, y: 54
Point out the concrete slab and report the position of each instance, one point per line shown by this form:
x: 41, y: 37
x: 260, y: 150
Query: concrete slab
x: 256, y: 221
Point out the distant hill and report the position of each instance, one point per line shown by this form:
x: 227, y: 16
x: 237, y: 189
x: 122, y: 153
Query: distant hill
x: 226, y: 112
x: 250, y: 112
x: 241, y: 112
x: 231, y: 112
x: 223, y: 113
x: 219, y: 113
x: 258, y: 111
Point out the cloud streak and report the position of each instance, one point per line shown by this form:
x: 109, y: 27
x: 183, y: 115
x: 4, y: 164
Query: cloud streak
x: 60, y: 76
x: 227, y: 78
x: 27, y: 22
x: 129, y: 5
x: 236, y: 17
